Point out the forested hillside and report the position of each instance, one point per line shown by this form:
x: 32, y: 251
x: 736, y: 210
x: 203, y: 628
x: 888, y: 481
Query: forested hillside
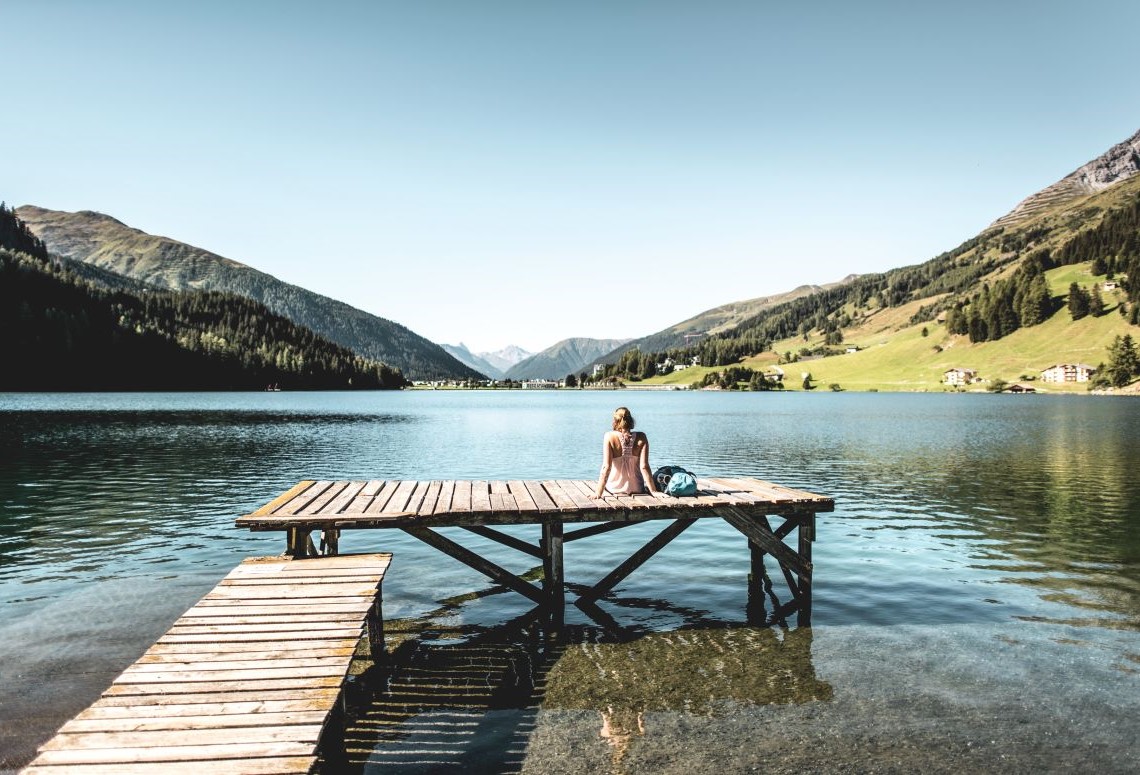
x: 986, y: 288
x: 101, y: 241
x: 65, y: 332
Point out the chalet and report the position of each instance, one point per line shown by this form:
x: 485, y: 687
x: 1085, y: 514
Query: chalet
x: 960, y: 376
x: 1109, y: 286
x: 1017, y: 387
x: 1068, y: 372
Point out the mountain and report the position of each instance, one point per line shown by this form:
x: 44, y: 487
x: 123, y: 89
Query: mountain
x: 570, y: 356
x: 713, y: 321
x: 66, y: 332
x: 468, y: 358
x: 104, y: 242
x: 505, y: 358
x: 1117, y: 164
x: 1056, y: 280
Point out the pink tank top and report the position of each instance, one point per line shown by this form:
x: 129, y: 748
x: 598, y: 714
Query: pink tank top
x: 625, y: 473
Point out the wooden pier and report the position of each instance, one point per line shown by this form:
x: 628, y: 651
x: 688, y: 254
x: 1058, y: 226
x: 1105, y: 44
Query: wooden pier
x: 420, y: 507
x: 245, y: 681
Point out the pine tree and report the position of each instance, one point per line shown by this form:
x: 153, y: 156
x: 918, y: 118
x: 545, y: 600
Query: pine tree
x: 1079, y: 301
x: 1096, y: 303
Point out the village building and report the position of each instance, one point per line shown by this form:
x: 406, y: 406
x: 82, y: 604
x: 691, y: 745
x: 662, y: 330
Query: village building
x: 1068, y: 372
x: 960, y: 376
x: 540, y: 384
x: 1018, y: 387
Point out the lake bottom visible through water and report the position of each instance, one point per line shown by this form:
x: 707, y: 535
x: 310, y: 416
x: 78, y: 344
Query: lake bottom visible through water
x: 976, y: 591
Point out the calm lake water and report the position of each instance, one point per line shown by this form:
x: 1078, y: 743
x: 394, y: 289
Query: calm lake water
x: 977, y: 590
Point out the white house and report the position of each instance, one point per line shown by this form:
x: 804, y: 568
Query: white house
x: 960, y: 376
x: 540, y: 384
x: 1068, y: 372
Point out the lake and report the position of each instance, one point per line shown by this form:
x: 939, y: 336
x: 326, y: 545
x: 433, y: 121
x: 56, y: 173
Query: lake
x: 976, y: 591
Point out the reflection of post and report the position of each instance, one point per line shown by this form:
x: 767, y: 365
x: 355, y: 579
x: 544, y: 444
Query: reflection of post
x: 552, y: 573
x: 618, y: 729
x: 807, y: 535
x: 755, y: 612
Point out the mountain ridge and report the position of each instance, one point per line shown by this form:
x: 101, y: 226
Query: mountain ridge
x: 105, y: 242
x: 568, y: 356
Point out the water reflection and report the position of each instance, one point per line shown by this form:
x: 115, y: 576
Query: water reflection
x: 468, y: 698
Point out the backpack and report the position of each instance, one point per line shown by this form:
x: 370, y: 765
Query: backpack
x: 675, y: 481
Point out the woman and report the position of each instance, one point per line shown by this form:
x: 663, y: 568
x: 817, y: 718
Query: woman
x: 625, y: 459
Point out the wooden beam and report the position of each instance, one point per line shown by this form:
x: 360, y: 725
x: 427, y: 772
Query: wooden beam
x: 553, y: 575
x: 472, y: 560
x: 750, y: 527
x: 504, y: 539
x: 638, y: 558
x: 593, y: 530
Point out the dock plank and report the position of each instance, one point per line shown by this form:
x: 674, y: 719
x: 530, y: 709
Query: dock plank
x: 239, y: 683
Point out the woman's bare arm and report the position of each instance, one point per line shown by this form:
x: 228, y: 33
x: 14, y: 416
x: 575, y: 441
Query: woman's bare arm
x: 607, y: 463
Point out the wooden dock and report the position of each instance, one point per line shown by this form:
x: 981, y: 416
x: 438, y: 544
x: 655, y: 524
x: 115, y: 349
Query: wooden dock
x: 419, y: 507
x: 245, y: 681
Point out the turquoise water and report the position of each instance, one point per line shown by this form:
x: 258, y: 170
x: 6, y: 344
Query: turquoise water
x: 977, y: 590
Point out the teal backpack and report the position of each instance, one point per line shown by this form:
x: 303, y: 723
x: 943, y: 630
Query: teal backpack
x: 675, y: 481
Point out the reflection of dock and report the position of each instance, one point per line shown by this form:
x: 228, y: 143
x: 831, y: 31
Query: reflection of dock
x: 474, y: 698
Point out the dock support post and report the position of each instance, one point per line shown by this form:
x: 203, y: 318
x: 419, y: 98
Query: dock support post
x: 553, y: 578
x: 376, y: 628
x: 299, y: 543
x: 807, y: 535
x: 754, y: 610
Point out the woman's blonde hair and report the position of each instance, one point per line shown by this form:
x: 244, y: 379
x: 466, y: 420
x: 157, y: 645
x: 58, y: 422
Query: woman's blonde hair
x: 623, y: 419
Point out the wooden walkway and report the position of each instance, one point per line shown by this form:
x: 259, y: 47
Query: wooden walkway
x: 419, y: 507
x: 244, y: 681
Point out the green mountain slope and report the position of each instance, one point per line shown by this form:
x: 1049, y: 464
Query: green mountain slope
x: 100, y: 240
x: 970, y: 300
x: 64, y: 332
x: 570, y: 356
x: 713, y: 321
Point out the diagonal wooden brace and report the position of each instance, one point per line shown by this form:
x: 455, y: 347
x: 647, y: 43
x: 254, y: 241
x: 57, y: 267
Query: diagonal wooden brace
x: 767, y: 541
x: 484, y: 566
x: 637, y: 559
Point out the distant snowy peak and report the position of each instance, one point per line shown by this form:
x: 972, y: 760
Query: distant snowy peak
x: 505, y: 358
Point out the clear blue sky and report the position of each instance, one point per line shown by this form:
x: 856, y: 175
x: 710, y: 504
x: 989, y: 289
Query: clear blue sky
x: 521, y: 172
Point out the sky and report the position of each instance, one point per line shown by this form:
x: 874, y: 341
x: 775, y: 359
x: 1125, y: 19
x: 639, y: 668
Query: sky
x: 500, y: 173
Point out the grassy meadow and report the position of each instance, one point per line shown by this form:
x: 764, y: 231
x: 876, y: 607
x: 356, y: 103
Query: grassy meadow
x: 895, y: 356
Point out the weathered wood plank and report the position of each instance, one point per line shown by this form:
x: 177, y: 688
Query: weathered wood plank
x: 100, y: 712
x: 307, y: 733
x: 539, y: 496
x: 443, y: 502
x: 387, y: 490
x: 563, y: 501
x: 283, y: 498
x: 318, y: 504
x: 275, y: 656
x: 427, y: 506
x: 346, y: 496
x: 208, y: 721
x: 275, y: 765
x: 303, y: 499
x: 523, y: 499
x: 461, y: 499
x: 157, y: 701
x: 175, y: 753
x: 400, y: 497
x: 480, y: 497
